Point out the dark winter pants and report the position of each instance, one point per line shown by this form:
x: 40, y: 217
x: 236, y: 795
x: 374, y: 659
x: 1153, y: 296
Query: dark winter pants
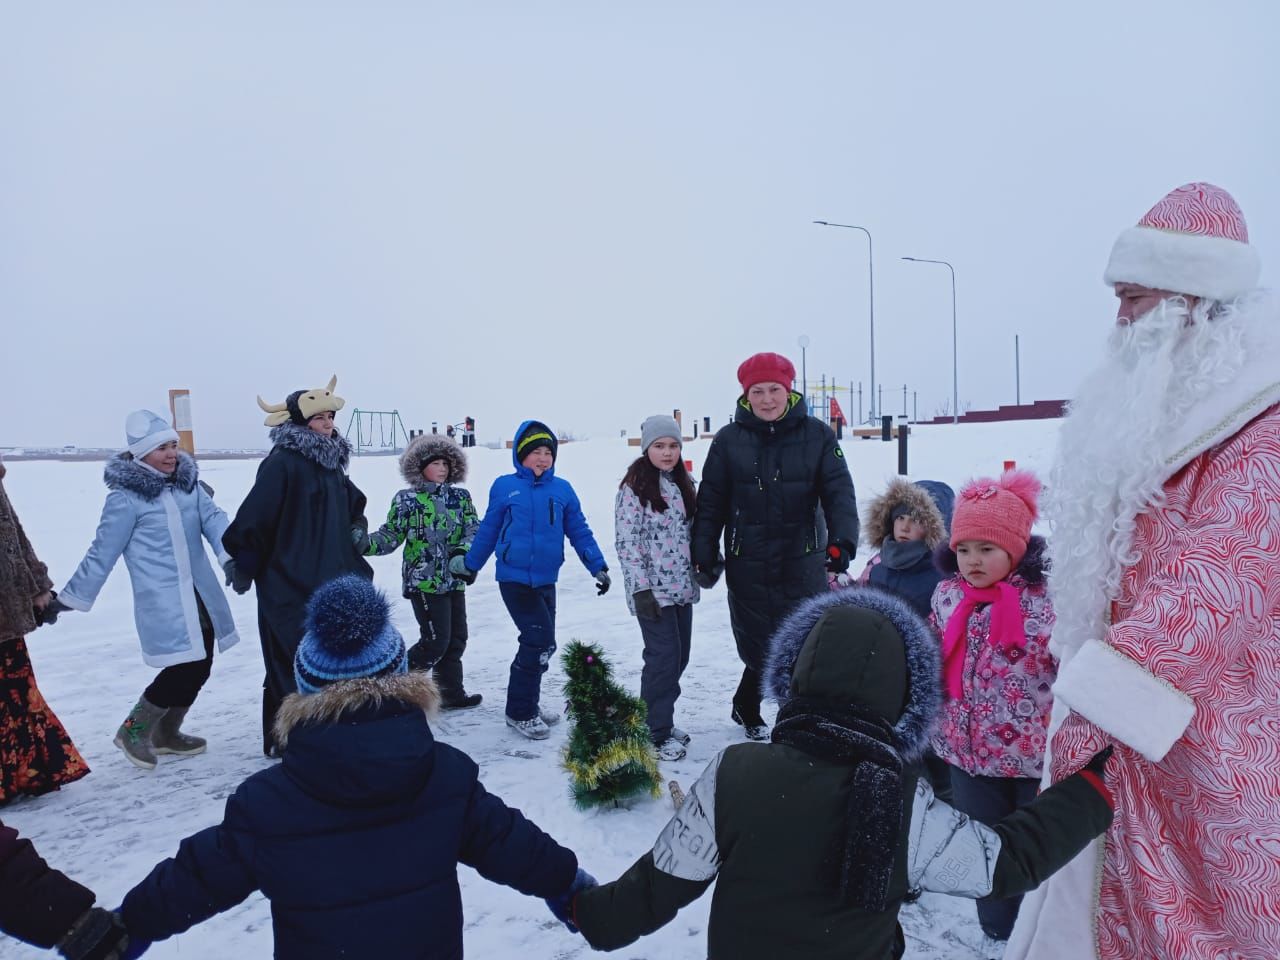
x: 177, y: 686
x: 989, y: 800
x: 533, y: 611
x: 277, y: 657
x: 666, y: 654
x: 751, y: 630
x: 442, y: 626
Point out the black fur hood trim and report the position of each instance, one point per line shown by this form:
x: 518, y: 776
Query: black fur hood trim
x: 123, y: 472
x: 332, y: 453
x: 924, y: 698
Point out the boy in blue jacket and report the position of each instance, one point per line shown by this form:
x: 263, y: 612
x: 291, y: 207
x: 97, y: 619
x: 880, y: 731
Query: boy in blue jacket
x: 530, y: 513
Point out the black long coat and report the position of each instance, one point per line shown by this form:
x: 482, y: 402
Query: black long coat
x: 293, y: 531
x: 762, y: 484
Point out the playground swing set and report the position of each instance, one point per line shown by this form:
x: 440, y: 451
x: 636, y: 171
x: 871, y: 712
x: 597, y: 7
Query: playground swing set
x: 379, y: 425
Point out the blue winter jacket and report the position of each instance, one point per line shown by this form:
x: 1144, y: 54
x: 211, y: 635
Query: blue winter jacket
x: 525, y: 524
x: 157, y: 524
x: 355, y: 837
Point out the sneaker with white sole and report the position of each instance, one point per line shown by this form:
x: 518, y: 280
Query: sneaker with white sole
x: 678, y: 734
x: 671, y: 749
x: 533, y: 728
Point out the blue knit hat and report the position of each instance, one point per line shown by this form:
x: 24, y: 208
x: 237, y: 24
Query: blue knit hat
x: 348, y: 636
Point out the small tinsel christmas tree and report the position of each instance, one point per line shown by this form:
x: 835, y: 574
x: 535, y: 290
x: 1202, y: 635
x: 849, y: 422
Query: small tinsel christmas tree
x: 609, y: 754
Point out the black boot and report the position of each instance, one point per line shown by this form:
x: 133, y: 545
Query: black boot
x: 459, y: 700
x: 755, y: 726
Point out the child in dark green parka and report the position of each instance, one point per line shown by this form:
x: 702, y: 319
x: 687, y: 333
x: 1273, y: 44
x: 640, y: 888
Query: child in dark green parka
x: 818, y: 837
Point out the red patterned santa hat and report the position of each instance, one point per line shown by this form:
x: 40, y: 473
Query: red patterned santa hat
x: 1194, y: 241
x: 998, y: 511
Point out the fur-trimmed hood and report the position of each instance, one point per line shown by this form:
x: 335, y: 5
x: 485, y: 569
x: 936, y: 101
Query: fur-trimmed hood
x: 929, y: 501
x: 123, y: 472
x: 332, y: 453
x: 422, y: 450
x: 415, y: 688
x: 1033, y: 568
x: 858, y: 659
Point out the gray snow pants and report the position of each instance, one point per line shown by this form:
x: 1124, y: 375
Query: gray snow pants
x: 666, y: 654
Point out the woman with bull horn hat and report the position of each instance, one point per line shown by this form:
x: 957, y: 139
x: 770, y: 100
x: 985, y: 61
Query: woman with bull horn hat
x: 301, y: 525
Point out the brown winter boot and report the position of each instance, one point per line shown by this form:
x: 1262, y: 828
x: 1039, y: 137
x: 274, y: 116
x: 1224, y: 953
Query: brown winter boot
x: 166, y: 737
x: 134, y: 735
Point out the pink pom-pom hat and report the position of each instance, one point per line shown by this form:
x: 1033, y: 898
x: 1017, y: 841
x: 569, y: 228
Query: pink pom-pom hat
x: 998, y: 511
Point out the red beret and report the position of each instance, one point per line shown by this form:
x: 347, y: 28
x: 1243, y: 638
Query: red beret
x: 766, y: 368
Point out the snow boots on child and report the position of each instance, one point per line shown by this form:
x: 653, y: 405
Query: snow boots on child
x: 134, y: 735
x: 537, y: 727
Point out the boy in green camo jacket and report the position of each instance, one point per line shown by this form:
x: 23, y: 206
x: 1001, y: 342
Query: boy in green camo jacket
x: 435, y: 520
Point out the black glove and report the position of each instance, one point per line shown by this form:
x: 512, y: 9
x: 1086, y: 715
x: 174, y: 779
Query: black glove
x: 1098, y: 765
x: 236, y: 578
x: 837, y: 558
x: 98, y: 935
x: 360, y: 539
x: 647, y: 607
x: 602, y: 583
x: 707, y: 575
x: 49, y: 615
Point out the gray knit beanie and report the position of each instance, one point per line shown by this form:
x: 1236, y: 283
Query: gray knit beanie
x: 657, y: 427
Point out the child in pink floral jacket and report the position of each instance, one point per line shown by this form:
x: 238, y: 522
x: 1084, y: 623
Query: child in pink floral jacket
x: 995, y: 617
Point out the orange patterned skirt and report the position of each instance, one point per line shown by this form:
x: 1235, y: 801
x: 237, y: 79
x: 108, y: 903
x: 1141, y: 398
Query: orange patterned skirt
x: 36, y: 754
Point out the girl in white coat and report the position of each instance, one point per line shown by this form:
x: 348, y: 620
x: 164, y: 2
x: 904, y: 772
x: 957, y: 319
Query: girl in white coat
x: 156, y: 512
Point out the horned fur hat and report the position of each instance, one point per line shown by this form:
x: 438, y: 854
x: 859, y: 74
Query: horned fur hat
x: 301, y: 405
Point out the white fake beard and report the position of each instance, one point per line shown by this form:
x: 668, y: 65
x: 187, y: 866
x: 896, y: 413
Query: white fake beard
x: 1112, y: 460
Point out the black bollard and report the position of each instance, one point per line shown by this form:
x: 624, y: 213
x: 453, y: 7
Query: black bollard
x: 886, y: 428
x: 903, y: 432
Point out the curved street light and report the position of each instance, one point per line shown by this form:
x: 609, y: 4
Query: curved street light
x: 871, y: 288
x: 955, y: 389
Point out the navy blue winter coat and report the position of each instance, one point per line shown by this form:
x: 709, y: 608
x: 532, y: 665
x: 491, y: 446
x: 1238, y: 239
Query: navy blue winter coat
x: 355, y: 837
x: 525, y: 524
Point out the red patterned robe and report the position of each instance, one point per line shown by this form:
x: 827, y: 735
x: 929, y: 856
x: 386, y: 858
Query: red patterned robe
x: 1186, y: 683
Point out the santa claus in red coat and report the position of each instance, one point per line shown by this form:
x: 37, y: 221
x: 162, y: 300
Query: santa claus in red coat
x: 1165, y: 504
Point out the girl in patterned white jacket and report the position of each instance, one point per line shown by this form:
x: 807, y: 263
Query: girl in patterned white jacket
x: 652, y: 513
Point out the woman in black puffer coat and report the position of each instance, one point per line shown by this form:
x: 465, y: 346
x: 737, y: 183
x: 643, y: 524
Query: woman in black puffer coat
x: 765, y: 477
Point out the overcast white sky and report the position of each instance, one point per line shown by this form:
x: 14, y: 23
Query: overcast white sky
x: 587, y: 212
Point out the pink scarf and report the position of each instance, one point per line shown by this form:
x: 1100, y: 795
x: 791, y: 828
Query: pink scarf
x: 1006, y: 628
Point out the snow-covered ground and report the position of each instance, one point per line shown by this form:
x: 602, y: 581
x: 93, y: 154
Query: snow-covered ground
x: 108, y: 829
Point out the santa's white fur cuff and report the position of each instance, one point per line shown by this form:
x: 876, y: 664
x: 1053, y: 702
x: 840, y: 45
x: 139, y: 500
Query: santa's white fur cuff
x: 1115, y: 693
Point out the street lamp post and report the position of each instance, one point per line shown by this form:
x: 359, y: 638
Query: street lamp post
x: 871, y: 289
x: 804, y: 367
x: 955, y: 387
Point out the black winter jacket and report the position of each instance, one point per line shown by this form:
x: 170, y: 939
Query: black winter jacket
x: 355, y: 837
x: 762, y: 485
x: 293, y: 531
x: 37, y: 903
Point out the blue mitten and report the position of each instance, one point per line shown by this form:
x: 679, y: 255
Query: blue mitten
x: 562, y: 906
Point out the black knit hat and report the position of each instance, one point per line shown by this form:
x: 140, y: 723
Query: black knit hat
x: 535, y: 435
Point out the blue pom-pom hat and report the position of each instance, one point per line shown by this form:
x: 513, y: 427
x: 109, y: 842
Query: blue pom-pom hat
x: 348, y: 636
